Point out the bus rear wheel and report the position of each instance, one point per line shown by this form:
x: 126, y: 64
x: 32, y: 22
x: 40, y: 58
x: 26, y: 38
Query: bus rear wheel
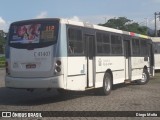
x: 145, y: 78
x: 107, y: 84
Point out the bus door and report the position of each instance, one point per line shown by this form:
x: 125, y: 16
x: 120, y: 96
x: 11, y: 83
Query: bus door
x: 90, y: 52
x: 151, y: 58
x: 127, y: 56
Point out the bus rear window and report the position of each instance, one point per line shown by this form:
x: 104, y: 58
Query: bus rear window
x: 24, y: 33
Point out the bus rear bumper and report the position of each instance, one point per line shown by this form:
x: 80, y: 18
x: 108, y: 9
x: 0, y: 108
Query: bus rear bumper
x: 51, y: 82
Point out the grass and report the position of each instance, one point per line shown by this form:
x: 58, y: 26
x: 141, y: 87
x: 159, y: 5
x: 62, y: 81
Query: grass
x: 2, y: 62
x: 2, y: 58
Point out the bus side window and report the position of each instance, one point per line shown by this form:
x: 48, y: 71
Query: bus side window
x: 116, y: 45
x: 71, y: 48
x: 103, y: 43
x: 135, y: 47
x: 144, y: 49
x: 75, y: 42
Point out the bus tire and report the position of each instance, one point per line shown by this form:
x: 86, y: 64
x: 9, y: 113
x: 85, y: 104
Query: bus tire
x: 107, y: 84
x: 145, y: 78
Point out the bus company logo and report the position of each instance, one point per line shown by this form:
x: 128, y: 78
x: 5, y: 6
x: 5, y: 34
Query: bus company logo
x: 20, y: 114
x: 6, y: 114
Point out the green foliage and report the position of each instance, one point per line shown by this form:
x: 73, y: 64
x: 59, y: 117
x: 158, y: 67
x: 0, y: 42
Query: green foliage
x: 2, y: 58
x: 2, y: 44
x: 2, y: 61
x: 125, y: 24
x: 2, y: 40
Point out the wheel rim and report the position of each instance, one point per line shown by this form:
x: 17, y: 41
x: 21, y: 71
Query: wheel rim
x: 144, y: 78
x: 107, y: 84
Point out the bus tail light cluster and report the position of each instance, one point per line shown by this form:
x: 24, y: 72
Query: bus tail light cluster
x: 58, y: 66
x: 7, y: 68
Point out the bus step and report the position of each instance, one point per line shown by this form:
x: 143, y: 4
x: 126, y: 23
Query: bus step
x: 127, y: 81
x: 89, y: 88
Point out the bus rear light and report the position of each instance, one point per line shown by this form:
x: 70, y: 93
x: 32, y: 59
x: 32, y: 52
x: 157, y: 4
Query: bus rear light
x: 58, y: 66
x: 57, y: 69
x: 58, y: 62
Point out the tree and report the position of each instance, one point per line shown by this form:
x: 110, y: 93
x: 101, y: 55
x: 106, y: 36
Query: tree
x: 125, y: 24
x: 2, y: 44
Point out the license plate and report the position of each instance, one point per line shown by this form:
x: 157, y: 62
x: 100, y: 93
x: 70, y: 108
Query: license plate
x: 29, y: 66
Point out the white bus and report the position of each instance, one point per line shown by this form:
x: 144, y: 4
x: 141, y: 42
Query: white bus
x: 70, y: 55
x: 156, y: 44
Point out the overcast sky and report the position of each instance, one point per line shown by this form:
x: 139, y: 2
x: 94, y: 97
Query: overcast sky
x: 94, y: 11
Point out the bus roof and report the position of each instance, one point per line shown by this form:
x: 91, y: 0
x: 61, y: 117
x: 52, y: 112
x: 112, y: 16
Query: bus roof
x: 155, y: 39
x: 86, y: 24
x: 89, y: 25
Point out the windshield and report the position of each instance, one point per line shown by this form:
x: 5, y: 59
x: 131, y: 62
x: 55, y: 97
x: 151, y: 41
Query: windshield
x: 35, y: 33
